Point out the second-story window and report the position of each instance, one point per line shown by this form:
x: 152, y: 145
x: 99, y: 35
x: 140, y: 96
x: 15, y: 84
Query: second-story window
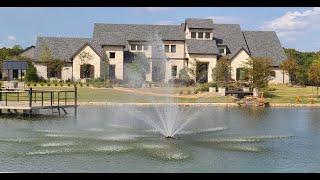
x: 193, y: 35
x: 133, y: 47
x: 207, y: 35
x: 166, y: 48
x: 173, y: 48
x: 139, y: 47
x: 112, y: 55
x: 200, y: 35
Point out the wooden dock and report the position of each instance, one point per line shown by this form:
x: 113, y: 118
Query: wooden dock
x: 30, y: 100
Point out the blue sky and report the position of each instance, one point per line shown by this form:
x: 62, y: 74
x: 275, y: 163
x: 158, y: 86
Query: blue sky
x: 296, y: 27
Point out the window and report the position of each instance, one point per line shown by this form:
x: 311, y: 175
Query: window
x: 15, y: 73
x: 193, y: 35
x: 273, y: 74
x: 146, y: 47
x: 112, y: 54
x: 241, y: 74
x: 166, y: 48
x: 173, y: 71
x: 173, y: 48
x: 200, y: 35
x: 207, y: 34
x: 139, y: 47
x: 133, y: 47
x: 221, y: 51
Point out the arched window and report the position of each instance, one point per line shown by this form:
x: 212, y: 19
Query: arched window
x: 86, y: 71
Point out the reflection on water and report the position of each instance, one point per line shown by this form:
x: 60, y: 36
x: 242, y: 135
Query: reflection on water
x: 98, y: 142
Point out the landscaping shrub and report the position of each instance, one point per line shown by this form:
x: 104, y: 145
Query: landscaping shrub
x: 48, y: 84
x: 34, y: 84
x: 181, y: 82
x: 181, y: 92
x: 42, y: 84
x: 69, y: 84
x: 189, y: 92
x: 28, y: 84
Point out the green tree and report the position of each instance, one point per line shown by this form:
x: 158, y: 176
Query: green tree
x: 183, y: 74
x: 31, y: 73
x: 290, y: 66
x: 259, y: 71
x: 314, y: 74
x: 137, y: 69
x: 222, y: 71
x: 106, y: 62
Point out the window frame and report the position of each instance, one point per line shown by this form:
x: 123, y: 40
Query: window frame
x: 167, y: 48
x: 201, y: 35
x: 207, y: 33
x: 135, y: 47
x: 175, y: 48
x: 114, y: 55
x: 174, y: 71
x: 195, y: 33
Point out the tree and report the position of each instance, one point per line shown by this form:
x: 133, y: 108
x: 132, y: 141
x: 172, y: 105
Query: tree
x: 259, y: 71
x: 222, y: 71
x: 31, y: 73
x: 314, y: 74
x: 290, y: 66
x: 183, y: 74
x: 106, y: 62
x: 137, y: 69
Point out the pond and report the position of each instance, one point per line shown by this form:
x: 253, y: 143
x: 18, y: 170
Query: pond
x: 220, y: 139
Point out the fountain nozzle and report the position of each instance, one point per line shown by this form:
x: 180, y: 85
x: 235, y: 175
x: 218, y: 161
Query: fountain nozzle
x: 170, y: 137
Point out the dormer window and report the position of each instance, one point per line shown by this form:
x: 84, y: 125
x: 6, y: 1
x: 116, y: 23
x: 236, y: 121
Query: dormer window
x: 222, y: 50
x: 207, y: 35
x: 200, y: 35
x: 170, y: 48
x: 194, y: 35
x: 133, y: 47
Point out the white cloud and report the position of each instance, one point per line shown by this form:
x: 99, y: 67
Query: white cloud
x: 225, y: 19
x: 12, y: 38
x: 297, y: 27
x: 295, y: 21
x: 164, y: 22
x: 157, y: 9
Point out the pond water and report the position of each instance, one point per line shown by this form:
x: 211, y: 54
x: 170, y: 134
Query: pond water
x: 111, y: 140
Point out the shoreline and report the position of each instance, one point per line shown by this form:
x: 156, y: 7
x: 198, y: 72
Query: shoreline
x: 191, y: 104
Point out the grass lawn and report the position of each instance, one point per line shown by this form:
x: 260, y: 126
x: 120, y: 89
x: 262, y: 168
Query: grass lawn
x: 281, y: 94
x: 88, y: 94
x: 286, y: 94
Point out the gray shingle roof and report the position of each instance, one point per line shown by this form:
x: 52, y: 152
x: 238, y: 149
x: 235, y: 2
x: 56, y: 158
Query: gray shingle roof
x: 265, y: 44
x: 230, y: 35
x: 135, y: 32
x: 63, y: 48
x: 201, y: 46
x: 199, y: 23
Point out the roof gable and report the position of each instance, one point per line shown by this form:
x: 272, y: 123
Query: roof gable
x: 265, y: 44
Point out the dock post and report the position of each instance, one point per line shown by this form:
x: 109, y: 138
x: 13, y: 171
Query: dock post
x: 30, y: 102
x: 75, y: 100
x: 0, y: 99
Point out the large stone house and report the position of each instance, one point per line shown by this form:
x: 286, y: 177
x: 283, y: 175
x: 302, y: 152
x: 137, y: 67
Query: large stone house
x: 197, y: 44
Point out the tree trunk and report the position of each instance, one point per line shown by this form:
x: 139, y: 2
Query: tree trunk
x: 317, y: 91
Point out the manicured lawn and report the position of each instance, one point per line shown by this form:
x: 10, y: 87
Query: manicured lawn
x: 281, y: 94
x: 286, y: 94
x: 88, y: 94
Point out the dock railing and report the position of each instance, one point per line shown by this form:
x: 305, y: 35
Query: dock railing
x: 32, y: 98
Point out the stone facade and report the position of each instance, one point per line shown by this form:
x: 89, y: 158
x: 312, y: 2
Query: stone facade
x: 94, y: 60
x: 117, y: 60
x: 195, y: 58
x: 41, y: 69
x: 238, y: 61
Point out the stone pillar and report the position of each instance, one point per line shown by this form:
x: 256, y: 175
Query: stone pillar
x: 222, y: 91
x: 149, y: 74
x: 255, y: 92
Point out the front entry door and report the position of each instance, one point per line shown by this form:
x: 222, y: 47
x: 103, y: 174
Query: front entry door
x: 202, y: 72
x: 112, y: 72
